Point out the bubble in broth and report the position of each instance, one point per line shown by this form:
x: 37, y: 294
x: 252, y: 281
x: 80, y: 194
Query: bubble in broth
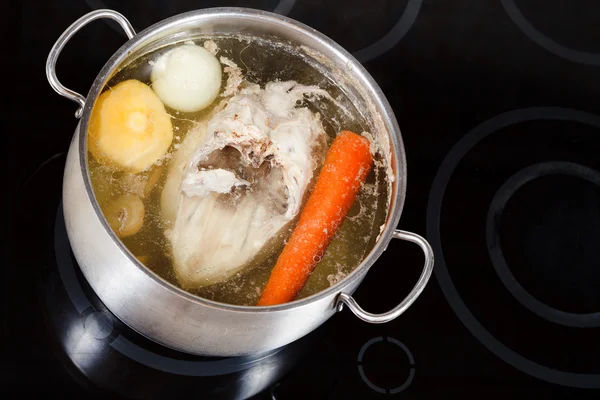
x: 261, y: 61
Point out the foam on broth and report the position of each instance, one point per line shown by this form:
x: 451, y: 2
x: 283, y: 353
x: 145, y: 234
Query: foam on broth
x: 260, y: 61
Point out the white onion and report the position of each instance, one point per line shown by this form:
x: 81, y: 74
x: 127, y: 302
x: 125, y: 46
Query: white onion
x: 187, y: 78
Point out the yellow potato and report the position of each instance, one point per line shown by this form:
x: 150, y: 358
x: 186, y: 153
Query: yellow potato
x: 129, y: 127
x: 125, y: 214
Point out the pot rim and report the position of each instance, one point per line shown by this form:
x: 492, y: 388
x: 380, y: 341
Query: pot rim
x: 398, y: 157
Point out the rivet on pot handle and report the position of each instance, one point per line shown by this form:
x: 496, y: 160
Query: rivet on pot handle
x: 64, y: 38
x: 348, y: 300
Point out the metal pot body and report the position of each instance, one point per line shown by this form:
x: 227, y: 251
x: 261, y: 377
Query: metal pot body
x: 165, y: 313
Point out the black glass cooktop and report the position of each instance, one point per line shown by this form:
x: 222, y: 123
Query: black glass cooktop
x: 499, y: 105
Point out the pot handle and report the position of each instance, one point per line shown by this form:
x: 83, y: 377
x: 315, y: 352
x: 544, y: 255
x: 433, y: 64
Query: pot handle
x: 64, y: 38
x: 348, y: 300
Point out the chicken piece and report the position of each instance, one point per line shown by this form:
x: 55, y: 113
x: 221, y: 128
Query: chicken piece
x: 237, y: 180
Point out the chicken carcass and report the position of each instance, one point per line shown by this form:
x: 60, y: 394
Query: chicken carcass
x: 238, y: 179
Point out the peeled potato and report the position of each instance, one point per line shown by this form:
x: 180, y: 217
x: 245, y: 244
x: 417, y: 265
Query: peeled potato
x: 187, y: 78
x: 129, y: 127
x: 125, y: 215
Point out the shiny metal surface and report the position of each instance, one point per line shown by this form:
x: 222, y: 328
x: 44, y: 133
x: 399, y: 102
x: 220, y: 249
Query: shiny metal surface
x: 64, y: 38
x: 410, y: 298
x: 170, y: 315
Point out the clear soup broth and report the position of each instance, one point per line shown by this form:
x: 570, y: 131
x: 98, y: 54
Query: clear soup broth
x: 260, y: 61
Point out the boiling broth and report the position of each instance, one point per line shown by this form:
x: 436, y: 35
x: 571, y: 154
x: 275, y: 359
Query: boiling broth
x: 260, y: 61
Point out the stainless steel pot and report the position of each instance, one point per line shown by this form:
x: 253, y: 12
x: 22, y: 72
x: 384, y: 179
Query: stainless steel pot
x: 165, y: 313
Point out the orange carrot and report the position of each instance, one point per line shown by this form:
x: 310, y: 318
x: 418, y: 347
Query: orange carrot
x: 346, y: 167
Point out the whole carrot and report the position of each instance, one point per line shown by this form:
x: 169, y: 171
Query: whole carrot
x: 346, y: 167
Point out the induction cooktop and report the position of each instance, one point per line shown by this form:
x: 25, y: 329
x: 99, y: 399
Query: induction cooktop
x: 499, y: 106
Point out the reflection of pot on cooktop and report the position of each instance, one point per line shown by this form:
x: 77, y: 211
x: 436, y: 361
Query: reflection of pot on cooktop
x: 115, y: 358
x: 525, y: 263
x: 106, y: 357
